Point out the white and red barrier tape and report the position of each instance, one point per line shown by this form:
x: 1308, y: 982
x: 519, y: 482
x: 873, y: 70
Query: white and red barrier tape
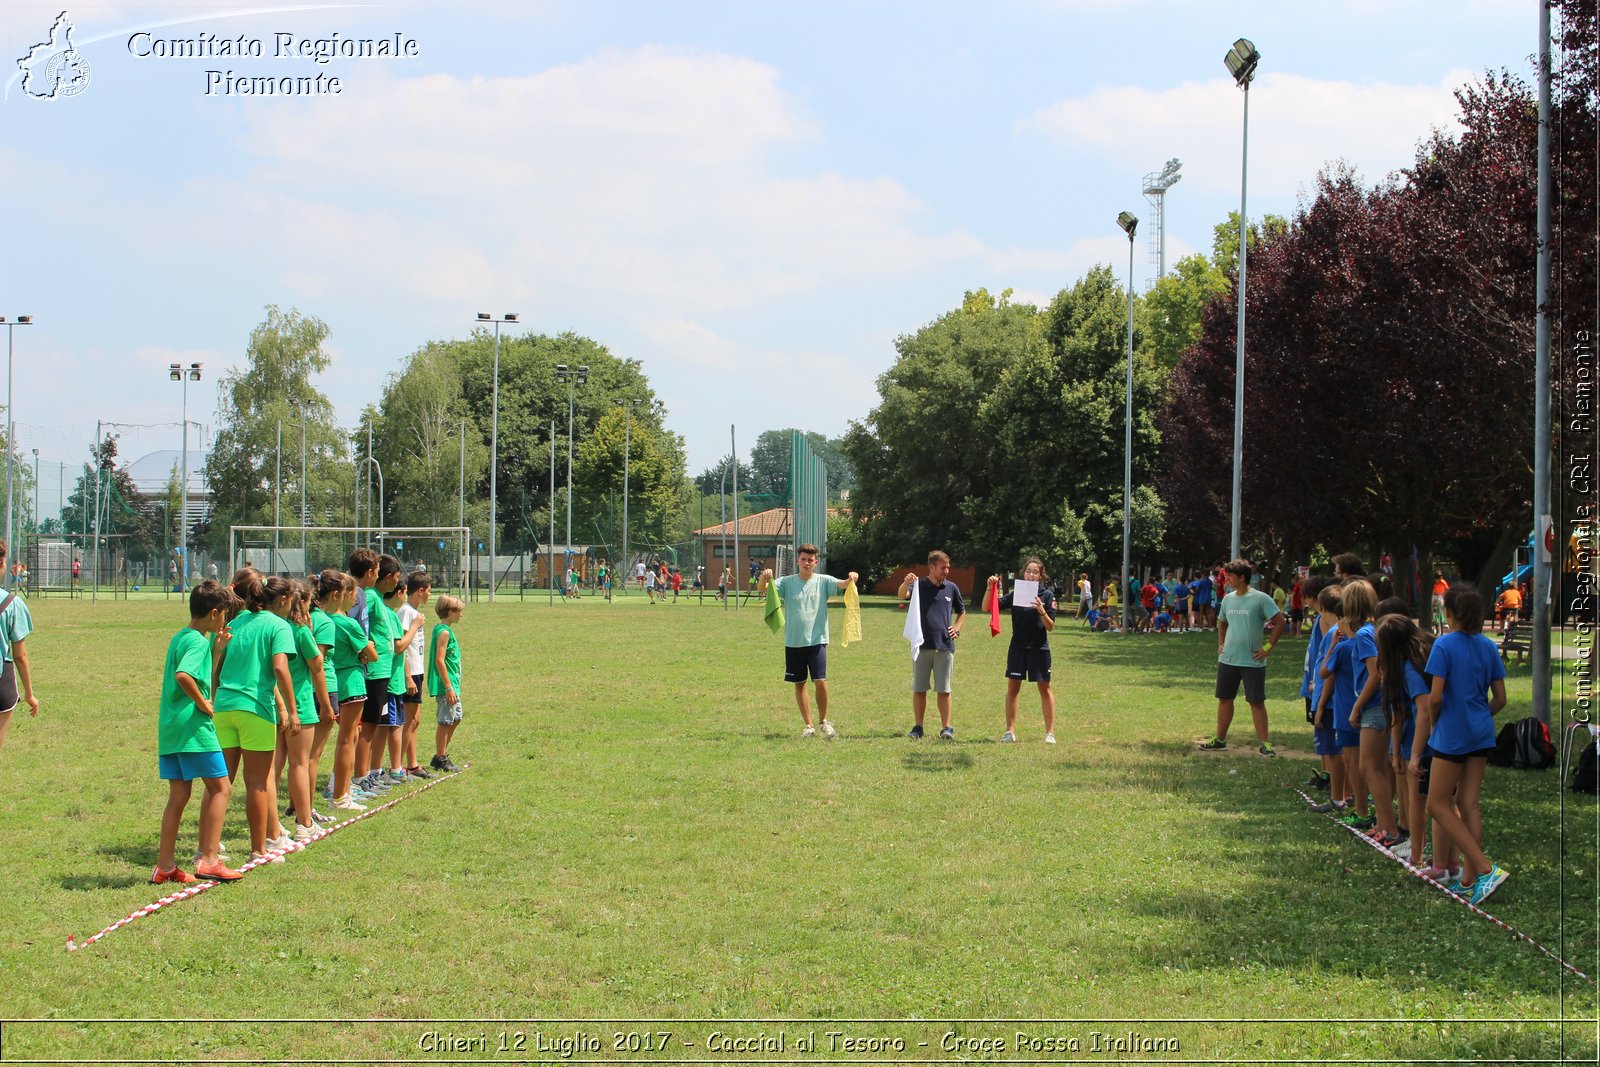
x: 196, y: 889
x: 1463, y: 901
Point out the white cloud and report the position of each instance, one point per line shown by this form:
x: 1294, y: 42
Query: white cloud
x: 1297, y: 124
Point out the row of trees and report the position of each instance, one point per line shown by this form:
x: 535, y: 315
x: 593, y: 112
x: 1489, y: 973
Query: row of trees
x: 1389, y: 375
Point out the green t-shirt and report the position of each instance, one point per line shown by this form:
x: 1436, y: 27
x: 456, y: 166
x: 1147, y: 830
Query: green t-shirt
x: 397, y: 671
x: 348, y: 641
x: 15, y: 625
x: 452, y: 661
x: 805, y: 608
x: 182, y: 727
x: 382, y: 628
x: 1246, y: 614
x: 322, y: 627
x: 306, y: 653
x: 247, y: 679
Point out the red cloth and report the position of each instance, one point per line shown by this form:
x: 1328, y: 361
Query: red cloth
x: 994, y: 610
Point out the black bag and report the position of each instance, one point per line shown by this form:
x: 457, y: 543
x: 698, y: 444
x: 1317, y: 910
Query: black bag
x: 1587, y: 778
x: 1525, y: 745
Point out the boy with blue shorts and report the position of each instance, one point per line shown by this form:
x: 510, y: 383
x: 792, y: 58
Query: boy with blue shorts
x: 805, y: 632
x: 187, y: 738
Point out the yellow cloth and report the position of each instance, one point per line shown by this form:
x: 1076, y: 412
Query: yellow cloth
x: 852, y: 614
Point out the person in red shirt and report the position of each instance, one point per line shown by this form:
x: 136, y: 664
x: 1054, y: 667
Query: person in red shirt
x: 677, y: 583
x: 1147, y: 600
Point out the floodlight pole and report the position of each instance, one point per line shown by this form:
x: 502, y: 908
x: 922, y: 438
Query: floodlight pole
x: 277, y: 504
x: 11, y: 439
x: 550, y: 551
x: 304, y: 474
x: 627, y: 441
x: 1130, y: 224
x: 1241, y: 62
x: 1540, y: 594
x: 494, y: 444
x: 176, y: 372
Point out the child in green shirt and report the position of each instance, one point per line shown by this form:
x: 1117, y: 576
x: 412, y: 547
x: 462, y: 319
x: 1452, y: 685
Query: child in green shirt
x: 187, y: 737
x: 444, y: 680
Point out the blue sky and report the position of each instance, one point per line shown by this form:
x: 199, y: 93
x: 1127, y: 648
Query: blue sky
x: 753, y: 199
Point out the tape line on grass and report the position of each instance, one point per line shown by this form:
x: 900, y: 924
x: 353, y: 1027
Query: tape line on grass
x: 190, y: 892
x: 1440, y: 886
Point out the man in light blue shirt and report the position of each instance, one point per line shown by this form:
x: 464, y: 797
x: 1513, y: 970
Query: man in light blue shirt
x: 805, y: 632
x: 1242, y: 651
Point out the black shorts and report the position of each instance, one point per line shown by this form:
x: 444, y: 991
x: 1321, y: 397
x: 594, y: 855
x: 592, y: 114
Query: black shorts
x: 1028, y: 664
x: 414, y: 698
x: 375, y: 712
x: 1425, y: 765
x: 1482, y: 753
x: 809, y: 659
x: 8, y: 688
x: 1254, y: 679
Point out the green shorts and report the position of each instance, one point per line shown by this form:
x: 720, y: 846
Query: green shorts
x: 246, y: 730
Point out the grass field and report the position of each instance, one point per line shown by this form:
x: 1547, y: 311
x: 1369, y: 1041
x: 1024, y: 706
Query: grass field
x: 644, y: 837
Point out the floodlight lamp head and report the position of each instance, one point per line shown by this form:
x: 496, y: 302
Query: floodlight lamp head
x: 510, y: 316
x: 484, y: 316
x: 26, y: 320
x: 1128, y: 222
x: 175, y: 372
x: 1241, y: 61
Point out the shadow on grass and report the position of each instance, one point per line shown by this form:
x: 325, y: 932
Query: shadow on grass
x: 937, y: 760
x: 1285, y: 890
x: 90, y: 882
x: 1186, y: 661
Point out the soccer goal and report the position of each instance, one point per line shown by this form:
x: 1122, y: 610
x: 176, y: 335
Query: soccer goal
x: 445, y: 552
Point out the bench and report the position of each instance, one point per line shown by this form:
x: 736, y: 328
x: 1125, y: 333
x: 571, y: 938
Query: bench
x: 1518, y: 639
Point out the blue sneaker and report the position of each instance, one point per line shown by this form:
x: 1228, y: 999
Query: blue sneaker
x: 915, y: 734
x: 947, y: 734
x: 1488, y: 883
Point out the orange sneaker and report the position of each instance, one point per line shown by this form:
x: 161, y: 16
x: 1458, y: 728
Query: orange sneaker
x: 217, y: 872
x: 177, y: 874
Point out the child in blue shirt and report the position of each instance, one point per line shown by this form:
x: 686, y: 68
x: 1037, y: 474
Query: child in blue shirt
x: 1402, y: 657
x: 1468, y: 689
x: 1324, y: 743
x: 1339, y: 668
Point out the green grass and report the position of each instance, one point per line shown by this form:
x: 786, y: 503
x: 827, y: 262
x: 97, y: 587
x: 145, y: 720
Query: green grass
x: 644, y: 834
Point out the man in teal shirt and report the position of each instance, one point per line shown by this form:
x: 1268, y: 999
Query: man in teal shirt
x: 805, y: 632
x: 1242, y: 651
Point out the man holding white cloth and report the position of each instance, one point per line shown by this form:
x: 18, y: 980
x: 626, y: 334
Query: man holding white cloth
x: 938, y: 612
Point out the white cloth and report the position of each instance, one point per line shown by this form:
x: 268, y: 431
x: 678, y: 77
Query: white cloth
x: 913, y: 629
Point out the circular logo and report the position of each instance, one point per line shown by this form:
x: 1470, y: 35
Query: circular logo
x: 67, y: 73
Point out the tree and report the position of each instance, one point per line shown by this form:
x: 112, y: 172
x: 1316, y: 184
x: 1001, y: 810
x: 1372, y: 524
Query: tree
x: 421, y: 423
x: 284, y: 353
x: 1175, y: 306
x: 771, y: 458
x: 129, y: 524
x: 920, y: 454
x: 1225, y: 241
x: 655, y: 478
x: 718, y: 478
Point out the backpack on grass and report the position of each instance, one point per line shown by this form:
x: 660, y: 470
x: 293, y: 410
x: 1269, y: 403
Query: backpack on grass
x: 1525, y: 745
x: 1587, y: 777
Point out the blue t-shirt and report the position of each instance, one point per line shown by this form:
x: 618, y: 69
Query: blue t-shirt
x: 1344, y: 683
x: 1468, y: 663
x: 1415, y: 686
x: 1366, y: 642
x: 940, y: 604
x: 1202, y: 591
x: 1180, y: 593
x: 1316, y: 645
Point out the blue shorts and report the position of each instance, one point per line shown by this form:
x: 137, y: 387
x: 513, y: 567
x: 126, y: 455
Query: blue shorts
x: 1408, y: 733
x: 187, y: 766
x: 1325, y: 741
x: 806, y: 660
x: 1346, y: 737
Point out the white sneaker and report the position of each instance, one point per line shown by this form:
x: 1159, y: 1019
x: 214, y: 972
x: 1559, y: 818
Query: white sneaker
x: 1049, y: 739
x: 809, y: 731
x: 1007, y: 737
x: 1402, y: 851
x: 266, y: 857
x: 347, y: 804
x: 306, y: 834
x: 828, y: 731
x: 283, y: 843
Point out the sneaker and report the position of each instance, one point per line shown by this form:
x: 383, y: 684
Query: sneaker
x: 1485, y: 885
x: 827, y: 730
x: 1049, y: 739
x: 396, y: 775
x: 266, y: 857
x: 1216, y: 744
x: 1316, y: 781
x: 321, y: 819
x: 1266, y: 749
x: 217, y: 872
x: 1357, y: 822
x: 177, y: 874
x: 437, y: 763
x: 1322, y: 783
x: 451, y: 765
x: 283, y: 843
x: 1435, y: 874
x: 915, y: 734
x: 1007, y: 737
x: 418, y: 772
x: 304, y: 835
x: 327, y: 791
x: 1325, y: 808
x: 1402, y: 852
x: 348, y: 804
x: 947, y: 734
x: 809, y: 731
x: 1383, y: 840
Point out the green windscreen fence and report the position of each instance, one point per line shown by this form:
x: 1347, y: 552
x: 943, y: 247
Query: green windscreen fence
x: 808, y: 491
